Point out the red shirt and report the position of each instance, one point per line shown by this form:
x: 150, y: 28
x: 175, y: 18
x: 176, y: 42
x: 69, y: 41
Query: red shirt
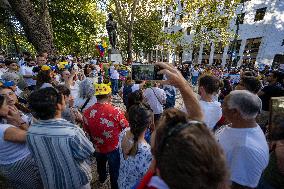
x: 104, y: 122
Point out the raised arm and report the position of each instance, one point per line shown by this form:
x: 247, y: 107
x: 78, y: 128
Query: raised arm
x: 175, y: 78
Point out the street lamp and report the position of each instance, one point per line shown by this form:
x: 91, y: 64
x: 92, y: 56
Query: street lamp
x: 234, y: 46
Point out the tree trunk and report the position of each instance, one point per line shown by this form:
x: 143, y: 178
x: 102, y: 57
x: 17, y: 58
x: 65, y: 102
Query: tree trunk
x: 36, y: 26
x: 129, y: 45
x: 130, y: 31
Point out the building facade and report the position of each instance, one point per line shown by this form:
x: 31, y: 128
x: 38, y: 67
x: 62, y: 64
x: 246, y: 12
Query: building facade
x: 260, y: 30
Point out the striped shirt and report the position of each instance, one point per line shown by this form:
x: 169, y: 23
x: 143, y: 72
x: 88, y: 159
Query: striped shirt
x: 62, y: 152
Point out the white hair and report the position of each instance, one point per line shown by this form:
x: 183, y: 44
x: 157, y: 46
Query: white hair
x: 247, y: 103
x: 86, y: 88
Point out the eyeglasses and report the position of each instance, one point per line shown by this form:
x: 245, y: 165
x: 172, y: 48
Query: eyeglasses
x: 8, y: 94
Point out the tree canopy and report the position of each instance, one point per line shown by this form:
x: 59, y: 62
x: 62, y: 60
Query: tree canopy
x: 74, y: 25
x: 209, y: 20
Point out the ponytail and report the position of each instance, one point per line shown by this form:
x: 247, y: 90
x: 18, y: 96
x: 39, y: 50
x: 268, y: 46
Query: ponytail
x: 134, y: 148
x: 140, y: 117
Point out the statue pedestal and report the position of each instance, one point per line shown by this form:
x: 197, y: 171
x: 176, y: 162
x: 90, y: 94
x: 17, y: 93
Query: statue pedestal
x: 114, y: 56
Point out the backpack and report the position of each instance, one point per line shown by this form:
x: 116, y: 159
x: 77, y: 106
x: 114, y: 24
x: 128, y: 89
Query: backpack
x: 126, y: 91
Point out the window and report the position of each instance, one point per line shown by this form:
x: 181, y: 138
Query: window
x: 181, y: 16
x: 166, y: 24
x: 251, y: 50
x: 235, y: 46
x: 260, y: 13
x: 173, y: 21
x: 240, y: 18
x: 282, y: 42
x: 218, y: 54
x: 188, y: 29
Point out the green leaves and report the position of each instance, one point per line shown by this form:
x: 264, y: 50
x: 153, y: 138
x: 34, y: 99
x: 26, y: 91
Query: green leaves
x: 210, y: 20
x: 76, y: 25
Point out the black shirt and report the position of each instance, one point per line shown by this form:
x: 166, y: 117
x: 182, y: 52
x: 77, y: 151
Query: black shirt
x: 275, y: 90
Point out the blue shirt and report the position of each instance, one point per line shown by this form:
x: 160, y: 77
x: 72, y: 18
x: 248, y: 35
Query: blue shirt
x: 61, y: 151
x: 11, y: 152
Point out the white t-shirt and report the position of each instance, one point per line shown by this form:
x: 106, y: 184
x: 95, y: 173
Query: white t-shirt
x: 74, y: 89
x: 11, y: 152
x: 152, y: 100
x: 21, y: 62
x: 114, y: 74
x: 45, y: 85
x: 212, y: 112
x: 26, y: 70
x: 111, y: 69
x: 246, y: 152
x: 135, y: 87
x: 2, y: 71
x: 195, y: 73
x: 79, y: 102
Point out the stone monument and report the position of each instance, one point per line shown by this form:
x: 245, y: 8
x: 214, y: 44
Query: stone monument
x: 113, y: 54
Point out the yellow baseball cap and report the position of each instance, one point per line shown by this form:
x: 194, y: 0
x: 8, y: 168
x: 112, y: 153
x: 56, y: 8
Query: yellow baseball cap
x: 45, y: 68
x: 102, y: 89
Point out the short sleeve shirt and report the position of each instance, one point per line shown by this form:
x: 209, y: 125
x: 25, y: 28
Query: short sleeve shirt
x: 246, y: 152
x: 104, y: 122
x: 11, y: 152
x: 155, y: 97
x: 271, y: 91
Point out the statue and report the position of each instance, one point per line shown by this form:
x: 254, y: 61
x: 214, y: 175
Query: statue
x: 111, y: 27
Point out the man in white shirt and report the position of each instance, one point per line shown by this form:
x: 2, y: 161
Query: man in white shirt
x: 23, y: 61
x: 27, y: 72
x: 243, y: 142
x: 114, y: 77
x: 208, y: 86
x: 155, y: 98
x: 194, y: 75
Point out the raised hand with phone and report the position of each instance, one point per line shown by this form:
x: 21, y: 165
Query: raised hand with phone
x: 175, y: 78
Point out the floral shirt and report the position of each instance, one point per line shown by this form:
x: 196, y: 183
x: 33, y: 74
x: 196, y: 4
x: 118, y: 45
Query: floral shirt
x: 133, y: 168
x: 104, y: 122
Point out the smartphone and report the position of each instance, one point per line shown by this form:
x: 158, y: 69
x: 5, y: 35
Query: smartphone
x: 145, y: 72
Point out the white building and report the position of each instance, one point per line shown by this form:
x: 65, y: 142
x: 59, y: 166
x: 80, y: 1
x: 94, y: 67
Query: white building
x: 261, y: 40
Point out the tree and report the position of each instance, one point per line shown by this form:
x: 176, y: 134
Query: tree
x: 147, y: 32
x: 76, y: 25
x: 127, y: 13
x: 12, y: 38
x: 36, y: 24
x: 69, y: 26
x: 208, y: 19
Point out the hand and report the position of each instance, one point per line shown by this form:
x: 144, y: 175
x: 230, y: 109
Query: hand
x: 14, y: 117
x: 71, y: 101
x: 73, y: 72
x: 78, y: 117
x: 174, y: 77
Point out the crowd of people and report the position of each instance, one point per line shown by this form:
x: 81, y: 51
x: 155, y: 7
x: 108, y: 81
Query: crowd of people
x: 57, y: 116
